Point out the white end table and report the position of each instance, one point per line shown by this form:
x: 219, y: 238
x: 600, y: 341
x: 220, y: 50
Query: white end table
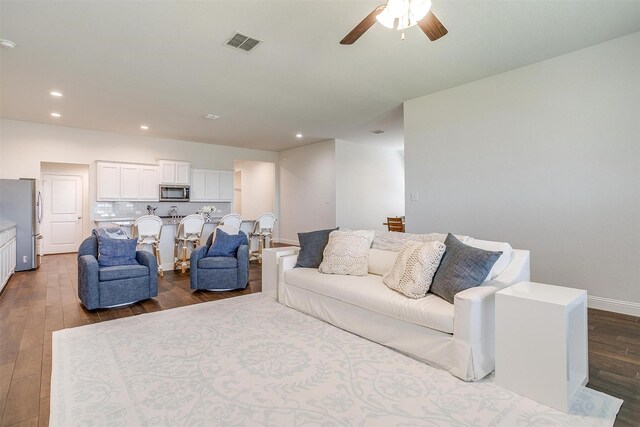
x: 541, y: 342
x: 270, y: 263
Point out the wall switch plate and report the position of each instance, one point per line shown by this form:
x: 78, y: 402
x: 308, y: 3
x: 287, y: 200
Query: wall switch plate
x: 137, y: 212
x: 414, y: 197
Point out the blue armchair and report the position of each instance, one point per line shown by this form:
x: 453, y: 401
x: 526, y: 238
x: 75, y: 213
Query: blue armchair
x: 102, y: 287
x: 219, y: 273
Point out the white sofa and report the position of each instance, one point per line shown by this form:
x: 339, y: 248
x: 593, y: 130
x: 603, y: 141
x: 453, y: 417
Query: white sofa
x: 456, y: 337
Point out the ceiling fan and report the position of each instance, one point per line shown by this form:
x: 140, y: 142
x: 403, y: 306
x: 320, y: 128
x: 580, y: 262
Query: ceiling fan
x: 399, y: 15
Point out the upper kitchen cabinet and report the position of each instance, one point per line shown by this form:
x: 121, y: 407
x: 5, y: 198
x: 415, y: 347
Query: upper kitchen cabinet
x: 108, y: 181
x: 174, y: 172
x: 126, y: 181
x: 211, y: 185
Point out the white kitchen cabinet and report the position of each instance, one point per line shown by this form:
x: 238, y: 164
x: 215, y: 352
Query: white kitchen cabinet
x: 108, y: 181
x: 7, y: 254
x: 209, y: 185
x: 149, y: 183
x: 198, y: 185
x: 212, y: 185
x: 174, y: 172
x: 128, y: 182
x: 226, y: 185
x: 183, y: 173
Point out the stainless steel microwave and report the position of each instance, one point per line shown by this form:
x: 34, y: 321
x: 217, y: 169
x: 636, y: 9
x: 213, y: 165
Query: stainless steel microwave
x: 174, y: 193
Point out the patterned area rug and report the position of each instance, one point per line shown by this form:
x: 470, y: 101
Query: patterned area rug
x: 251, y: 361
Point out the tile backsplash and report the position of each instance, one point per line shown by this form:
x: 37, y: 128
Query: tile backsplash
x: 108, y: 210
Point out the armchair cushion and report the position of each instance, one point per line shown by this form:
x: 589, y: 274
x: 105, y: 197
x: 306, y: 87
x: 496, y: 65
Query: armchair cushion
x: 117, y: 272
x: 116, y: 251
x: 226, y: 245
x: 218, y: 262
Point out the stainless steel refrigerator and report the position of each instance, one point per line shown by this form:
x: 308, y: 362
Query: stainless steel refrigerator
x: 21, y: 202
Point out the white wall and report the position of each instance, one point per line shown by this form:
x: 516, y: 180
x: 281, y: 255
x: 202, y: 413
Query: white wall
x: 307, y: 189
x: 369, y: 185
x: 258, y: 187
x: 24, y: 145
x: 546, y: 157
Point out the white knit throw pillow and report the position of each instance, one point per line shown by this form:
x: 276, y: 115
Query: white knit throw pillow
x: 414, y: 268
x: 347, y: 252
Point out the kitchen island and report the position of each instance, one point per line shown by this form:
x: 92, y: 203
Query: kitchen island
x: 168, y: 234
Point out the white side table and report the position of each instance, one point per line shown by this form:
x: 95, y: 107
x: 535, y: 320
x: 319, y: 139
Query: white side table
x: 541, y: 342
x: 270, y: 263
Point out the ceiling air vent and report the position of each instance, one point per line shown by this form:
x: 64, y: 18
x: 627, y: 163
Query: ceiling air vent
x: 242, y: 42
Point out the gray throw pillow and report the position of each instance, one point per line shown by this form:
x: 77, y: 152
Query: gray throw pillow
x: 312, y: 245
x: 462, y: 267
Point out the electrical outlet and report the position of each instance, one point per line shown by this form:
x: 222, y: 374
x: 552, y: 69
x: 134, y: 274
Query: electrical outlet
x: 414, y: 197
x: 137, y: 212
x: 25, y: 258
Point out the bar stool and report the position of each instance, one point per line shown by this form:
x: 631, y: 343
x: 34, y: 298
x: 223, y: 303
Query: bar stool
x: 189, y: 231
x: 148, y: 229
x: 233, y: 220
x: 263, y: 230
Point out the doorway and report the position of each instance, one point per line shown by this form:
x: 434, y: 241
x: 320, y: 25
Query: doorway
x: 64, y: 188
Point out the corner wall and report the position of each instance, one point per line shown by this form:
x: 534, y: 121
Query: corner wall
x: 307, y: 189
x: 369, y: 185
x: 546, y: 157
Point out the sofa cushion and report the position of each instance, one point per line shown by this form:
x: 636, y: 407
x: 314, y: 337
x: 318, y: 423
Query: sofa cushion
x: 118, y: 272
x: 347, y: 253
x: 462, y: 267
x: 381, y: 261
x: 392, y: 241
x: 218, y: 262
x: 368, y: 292
x: 413, y: 271
x: 488, y: 245
x: 312, y: 246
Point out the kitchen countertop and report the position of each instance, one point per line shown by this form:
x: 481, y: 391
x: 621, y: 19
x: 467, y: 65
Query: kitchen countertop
x: 166, y: 220
x: 5, y: 225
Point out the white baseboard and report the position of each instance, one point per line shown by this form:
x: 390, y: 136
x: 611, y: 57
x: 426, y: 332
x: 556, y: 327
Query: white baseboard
x: 617, y: 306
x: 288, y: 242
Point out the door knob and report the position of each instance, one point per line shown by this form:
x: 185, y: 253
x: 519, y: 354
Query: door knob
x: 79, y: 217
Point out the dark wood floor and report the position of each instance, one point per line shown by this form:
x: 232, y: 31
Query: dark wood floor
x: 38, y: 302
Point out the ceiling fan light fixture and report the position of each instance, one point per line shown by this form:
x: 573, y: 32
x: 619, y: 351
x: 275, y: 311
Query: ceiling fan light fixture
x: 386, y: 19
x: 419, y: 9
x: 397, y: 8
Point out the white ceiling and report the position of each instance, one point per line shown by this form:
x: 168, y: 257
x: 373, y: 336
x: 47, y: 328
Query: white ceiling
x: 121, y: 64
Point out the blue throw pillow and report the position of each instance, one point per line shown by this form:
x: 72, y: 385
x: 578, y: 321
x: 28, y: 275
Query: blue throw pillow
x: 116, y: 251
x: 227, y: 244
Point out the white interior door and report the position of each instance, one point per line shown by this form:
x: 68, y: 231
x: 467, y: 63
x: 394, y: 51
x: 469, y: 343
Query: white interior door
x: 62, y: 221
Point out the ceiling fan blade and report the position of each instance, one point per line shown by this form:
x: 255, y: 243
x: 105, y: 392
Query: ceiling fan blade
x: 363, y: 26
x: 432, y: 27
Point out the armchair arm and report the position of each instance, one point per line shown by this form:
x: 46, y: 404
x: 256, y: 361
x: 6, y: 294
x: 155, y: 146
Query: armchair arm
x: 88, y: 279
x: 196, y: 255
x: 474, y: 321
x: 149, y: 260
x: 243, y: 265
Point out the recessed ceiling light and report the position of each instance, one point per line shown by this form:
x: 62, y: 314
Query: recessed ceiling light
x: 144, y: 127
x: 56, y: 115
x: 298, y: 135
x: 55, y: 93
x: 7, y: 43
x: 211, y: 116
